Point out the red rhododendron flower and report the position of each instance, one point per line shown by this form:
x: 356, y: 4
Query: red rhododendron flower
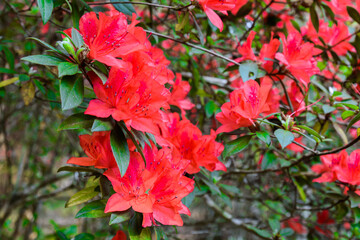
x: 245, y: 49
x: 179, y: 94
x: 210, y: 5
x: 120, y: 235
x: 298, y: 57
x: 246, y: 104
x: 295, y: 224
x: 189, y: 144
x: 332, y: 36
x: 98, y: 150
x: 329, y: 162
x: 155, y: 190
x: 110, y: 36
x: 268, y: 51
x: 135, y: 100
x: 349, y: 170
x: 323, y: 220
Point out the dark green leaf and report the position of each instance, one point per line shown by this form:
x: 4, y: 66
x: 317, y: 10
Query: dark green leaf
x: 354, y: 199
x: 264, y: 136
x: 120, y: 217
x: 45, y: 7
x: 126, y: 8
x: 210, y: 108
x: 353, y: 13
x: 269, y: 160
x: 93, y: 210
x: 236, y: 146
x: 43, y: 60
x: 84, y: 236
x: 76, y: 121
x: 101, y: 125
x: 285, y: 232
x: 77, y: 169
x: 120, y: 149
x: 244, y: 10
x: 135, y: 225
x: 67, y: 68
x: 284, y: 137
x: 353, y: 121
x: 314, y: 17
x: 71, y: 92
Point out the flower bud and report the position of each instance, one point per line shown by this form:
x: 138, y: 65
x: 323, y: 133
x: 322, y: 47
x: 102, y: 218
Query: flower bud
x: 69, y: 48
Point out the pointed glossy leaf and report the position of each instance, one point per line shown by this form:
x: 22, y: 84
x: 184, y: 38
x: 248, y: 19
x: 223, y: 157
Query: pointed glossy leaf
x: 353, y: 13
x: 93, y: 210
x: 120, y: 149
x: 126, y: 8
x: 45, y: 7
x: 314, y: 17
x: 347, y: 114
x: 264, y: 136
x: 67, y: 69
x: 77, y: 38
x: 82, y: 196
x: 43, y: 60
x: 284, y: 137
x: 77, y: 121
x: 353, y: 121
x: 120, y: 217
x: 101, y: 125
x: 78, y: 169
x: 236, y: 146
x: 71, y: 92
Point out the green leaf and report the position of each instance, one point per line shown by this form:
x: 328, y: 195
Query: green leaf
x: 135, y: 225
x: 269, y: 160
x: 76, y: 121
x: 84, y: 236
x: 67, y: 69
x: 275, y: 225
x: 260, y: 232
x: 125, y: 8
x: 353, y: 13
x: 354, y: 199
x: 284, y: 137
x: 77, y: 38
x: 236, y: 146
x: 353, y: 121
x: 264, y: 136
x: 310, y: 130
x: 248, y: 70
x: 120, y: 217
x: 210, y: 108
x: 347, y: 114
x: 351, y: 106
x: 285, y: 232
x: 300, y: 190
x: 120, y: 149
x: 328, y: 109
x: 93, y: 209
x: 100, y: 74
x: 43, y: 60
x: 101, y: 125
x: 314, y: 17
x: 46, y: 7
x: 78, y: 169
x: 71, y: 92
x: 82, y: 196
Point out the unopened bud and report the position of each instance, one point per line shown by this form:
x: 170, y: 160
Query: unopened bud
x: 69, y: 48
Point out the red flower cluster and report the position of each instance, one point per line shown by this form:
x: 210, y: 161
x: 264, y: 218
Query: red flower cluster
x: 138, y: 91
x: 341, y: 166
x: 247, y: 104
